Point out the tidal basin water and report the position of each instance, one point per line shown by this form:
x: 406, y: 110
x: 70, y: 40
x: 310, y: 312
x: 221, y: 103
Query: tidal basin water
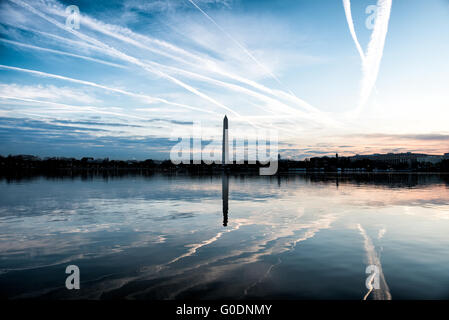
x: 233, y: 237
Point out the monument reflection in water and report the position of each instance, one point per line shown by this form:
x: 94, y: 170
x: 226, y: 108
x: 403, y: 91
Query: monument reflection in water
x: 225, y: 197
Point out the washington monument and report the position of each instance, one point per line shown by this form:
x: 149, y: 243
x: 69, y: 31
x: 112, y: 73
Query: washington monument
x: 225, y: 148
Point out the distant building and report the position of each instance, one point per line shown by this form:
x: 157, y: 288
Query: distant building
x: 430, y: 159
x: 398, y: 158
x: 392, y: 158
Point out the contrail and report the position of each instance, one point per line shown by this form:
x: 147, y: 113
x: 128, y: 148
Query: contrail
x: 237, y: 43
x: 125, y: 57
x: 118, y: 54
x: 62, y: 53
x: 347, y: 6
x: 268, y: 100
x: 72, y: 108
x: 370, y: 61
x: 147, y: 98
x: 123, y: 34
x: 65, y: 40
x: 291, y: 95
x: 375, y: 50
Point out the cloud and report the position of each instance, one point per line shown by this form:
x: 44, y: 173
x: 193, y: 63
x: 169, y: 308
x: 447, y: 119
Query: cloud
x: 96, y: 123
x: 422, y: 137
x: 172, y: 121
x: 49, y: 92
x: 35, y: 126
x: 24, y: 45
x: 158, y: 6
x: 126, y: 35
x: 236, y: 42
x: 163, y: 47
x: 121, y: 55
x: 50, y: 138
x: 207, y: 38
x: 350, y: 21
x: 142, y: 97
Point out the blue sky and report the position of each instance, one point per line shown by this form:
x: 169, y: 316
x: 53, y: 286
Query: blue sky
x: 136, y: 73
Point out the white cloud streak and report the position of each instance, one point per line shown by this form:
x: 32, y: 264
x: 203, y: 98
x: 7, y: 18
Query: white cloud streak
x: 373, y: 57
x: 20, y: 44
x: 383, y: 293
x: 118, y: 54
x: 348, y: 13
x: 317, y: 114
x: 146, y: 98
x: 68, y: 107
x: 49, y: 92
x: 249, y: 54
x: 194, y: 60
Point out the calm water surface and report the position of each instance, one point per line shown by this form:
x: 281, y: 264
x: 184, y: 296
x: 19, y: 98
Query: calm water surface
x: 174, y: 237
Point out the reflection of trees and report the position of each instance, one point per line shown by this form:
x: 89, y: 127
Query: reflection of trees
x: 391, y: 180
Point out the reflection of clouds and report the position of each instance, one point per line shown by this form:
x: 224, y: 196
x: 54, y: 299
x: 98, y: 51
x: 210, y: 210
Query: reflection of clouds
x: 40, y: 266
x: 190, y: 226
x: 381, y: 233
x: 383, y: 293
x: 196, y: 246
x: 283, y: 225
x: 280, y: 236
x: 279, y: 239
x: 437, y: 195
x: 434, y: 212
x: 89, y: 228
